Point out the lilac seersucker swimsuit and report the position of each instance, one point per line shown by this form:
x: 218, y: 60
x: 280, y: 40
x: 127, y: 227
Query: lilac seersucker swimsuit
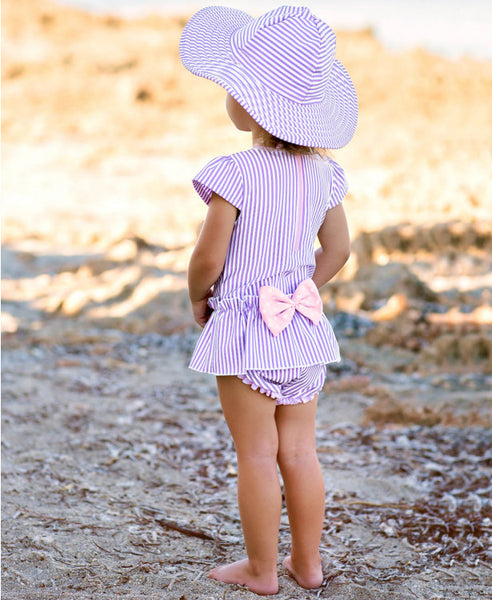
x: 283, y: 199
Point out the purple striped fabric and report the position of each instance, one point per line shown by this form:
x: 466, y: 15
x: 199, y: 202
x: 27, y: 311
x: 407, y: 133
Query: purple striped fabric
x: 302, y: 73
x: 272, y: 244
x: 288, y: 386
x: 280, y: 67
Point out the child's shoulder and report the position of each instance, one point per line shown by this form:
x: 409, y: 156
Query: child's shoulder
x: 224, y: 159
x: 243, y: 160
x: 251, y: 158
x: 336, y: 168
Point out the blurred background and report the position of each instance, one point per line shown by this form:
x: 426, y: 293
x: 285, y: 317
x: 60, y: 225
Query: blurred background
x: 103, y: 130
x: 448, y: 27
x: 118, y: 472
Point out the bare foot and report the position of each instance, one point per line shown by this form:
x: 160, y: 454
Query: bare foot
x: 310, y: 580
x: 241, y: 573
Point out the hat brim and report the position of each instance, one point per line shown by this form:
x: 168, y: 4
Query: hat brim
x: 205, y: 51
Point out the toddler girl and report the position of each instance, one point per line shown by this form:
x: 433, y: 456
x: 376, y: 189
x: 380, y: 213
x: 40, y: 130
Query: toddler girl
x: 254, y: 274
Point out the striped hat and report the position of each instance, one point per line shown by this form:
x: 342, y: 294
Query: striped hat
x: 280, y: 67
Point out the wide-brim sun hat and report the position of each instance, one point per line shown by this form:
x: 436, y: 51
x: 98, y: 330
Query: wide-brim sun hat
x: 280, y: 67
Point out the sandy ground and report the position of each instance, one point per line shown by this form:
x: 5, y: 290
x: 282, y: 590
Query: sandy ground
x: 118, y: 472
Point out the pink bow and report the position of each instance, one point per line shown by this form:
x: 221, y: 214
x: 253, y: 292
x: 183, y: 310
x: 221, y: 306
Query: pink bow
x: 277, y: 309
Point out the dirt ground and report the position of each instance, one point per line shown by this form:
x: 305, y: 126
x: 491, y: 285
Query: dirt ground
x: 118, y: 473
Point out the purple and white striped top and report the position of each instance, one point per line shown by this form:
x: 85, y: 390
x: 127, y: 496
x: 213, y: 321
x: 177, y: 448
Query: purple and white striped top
x: 282, y: 199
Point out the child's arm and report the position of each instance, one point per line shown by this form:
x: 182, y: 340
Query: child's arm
x: 208, y: 257
x: 334, y: 238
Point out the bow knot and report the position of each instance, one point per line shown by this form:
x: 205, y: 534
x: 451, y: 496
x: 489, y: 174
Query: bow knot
x: 277, y: 309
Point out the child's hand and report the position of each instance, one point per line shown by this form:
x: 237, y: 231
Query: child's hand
x: 201, y: 310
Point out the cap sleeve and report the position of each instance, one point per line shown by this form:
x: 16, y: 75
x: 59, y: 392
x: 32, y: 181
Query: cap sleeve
x: 222, y: 176
x: 339, y: 185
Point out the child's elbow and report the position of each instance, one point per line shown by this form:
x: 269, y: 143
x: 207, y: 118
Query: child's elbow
x: 344, y: 253
x: 205, y: 263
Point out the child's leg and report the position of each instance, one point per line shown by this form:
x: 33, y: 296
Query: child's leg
x: 304, y: 490
x: 250, y: 417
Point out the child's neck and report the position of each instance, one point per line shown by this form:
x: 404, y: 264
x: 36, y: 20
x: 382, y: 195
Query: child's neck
x: 258, y: 136
x: 262, y: 139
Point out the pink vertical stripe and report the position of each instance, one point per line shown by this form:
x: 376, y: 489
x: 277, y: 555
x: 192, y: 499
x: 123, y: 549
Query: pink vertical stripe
x: 300, y: 202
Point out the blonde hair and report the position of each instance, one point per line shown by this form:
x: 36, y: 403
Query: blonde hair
x: 271, y: 141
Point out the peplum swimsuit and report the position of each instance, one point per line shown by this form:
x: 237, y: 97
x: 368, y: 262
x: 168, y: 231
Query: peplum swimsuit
x: 282, y: 201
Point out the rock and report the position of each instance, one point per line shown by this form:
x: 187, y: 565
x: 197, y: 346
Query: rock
x: 346, y: 324
x: 463, y: 350
x: 75, y: 302
x: 390, y: 238
x: 379, y: 282
x: 350, y: 303
x: 125, y: 250
x: 454, y: 317
x: 393, y: 308
x: 388, y: 528
x: 475, y: 348
x: 441, y: 236
x: 9, y: 323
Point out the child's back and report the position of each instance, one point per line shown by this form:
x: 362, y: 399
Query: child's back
x: 282, y: 199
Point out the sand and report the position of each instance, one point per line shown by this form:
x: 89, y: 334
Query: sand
x: 118, y: 473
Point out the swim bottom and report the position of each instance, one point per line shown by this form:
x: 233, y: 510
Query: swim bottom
x: 288, y: 386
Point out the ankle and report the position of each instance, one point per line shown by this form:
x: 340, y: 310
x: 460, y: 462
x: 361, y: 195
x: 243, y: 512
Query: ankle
x: 307, y: 576
x: 306, y: 562
x: 260, y: 569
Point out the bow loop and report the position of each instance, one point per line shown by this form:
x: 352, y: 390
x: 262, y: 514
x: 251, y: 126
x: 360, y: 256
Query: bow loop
x: 277, y: 309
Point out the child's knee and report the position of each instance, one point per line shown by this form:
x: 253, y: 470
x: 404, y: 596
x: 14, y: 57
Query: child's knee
x: 296, y: 456
x: 258, y: 457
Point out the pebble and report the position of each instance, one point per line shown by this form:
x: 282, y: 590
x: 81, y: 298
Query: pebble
x: 344, y: 367
x: 403, y: 441
x: 453, y: 382
x: 39, y: 541
x: 350, y: 325
x: 387, y: 529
